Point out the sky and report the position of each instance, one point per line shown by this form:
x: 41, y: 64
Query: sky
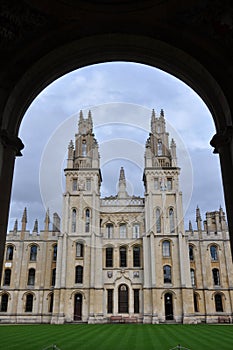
x: 121, y: 97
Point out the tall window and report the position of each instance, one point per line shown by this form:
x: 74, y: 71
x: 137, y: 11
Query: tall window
x: 135, y: 230
x: 166, y: 247
x: 74, y: 184
x: 78, y: 274
x: 84, y: 148
x: 167, y: 276
x: 169, y: 184
x: 156, y: 184
x: 29, y: 303
x: 136, y: 300
x: 88, y: 184
x: 122, y: 230
x: 216, y: 278
x: 73, y: 220
x: 110, y: 301
x: 31, y: 277
x: 193, y: 281
x: 191, y: 253
x: 214, y: 253
x: 109, y: 257
x: 87, y: 220
x: 9, y: 252
x: 158, y: 220
x: 7, y: 277
x: 218, y: 303
x: 79, y: 250
x: 55, y: 252
x: 123, y: 257
x: 109, y: 229
x: 53, y: 277
x: 4, y: 302
x: 136, y: 256
x: 160, y: 148
x: 33, y: 253
x: 195, y: 300
x: 51, y: 297
x: 123, y: 299
x: 171, y: 220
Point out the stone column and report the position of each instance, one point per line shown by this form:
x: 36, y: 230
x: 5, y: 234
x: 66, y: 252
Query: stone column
x: 10, y: 147
x: 223, y: 144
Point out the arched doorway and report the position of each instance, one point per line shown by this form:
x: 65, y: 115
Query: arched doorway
x: 123, y: 299
x: 78, y: 301
x: 168, y: 306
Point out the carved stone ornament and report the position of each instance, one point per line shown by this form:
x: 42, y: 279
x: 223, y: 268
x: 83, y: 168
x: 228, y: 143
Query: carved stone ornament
x: 11, y: 141
x: 109, y: 274
x: 222, y: 138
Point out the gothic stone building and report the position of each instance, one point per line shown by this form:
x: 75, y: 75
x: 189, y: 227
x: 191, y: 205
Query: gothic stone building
x: 119, y: 258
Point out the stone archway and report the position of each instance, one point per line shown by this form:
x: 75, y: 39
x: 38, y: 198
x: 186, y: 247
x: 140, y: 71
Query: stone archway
x: 197, y: 60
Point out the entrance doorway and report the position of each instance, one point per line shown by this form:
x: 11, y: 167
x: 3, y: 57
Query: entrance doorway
x: 123, y: 299
x: 78, y: 300
x: 168, y: 303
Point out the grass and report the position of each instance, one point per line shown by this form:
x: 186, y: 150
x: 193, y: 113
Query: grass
x: 116, y: 337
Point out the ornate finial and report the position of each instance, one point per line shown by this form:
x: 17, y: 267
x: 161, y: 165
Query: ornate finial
x: 35, y: 229
x: 162, y: 113
x: 15, y: 226
x: 56, y: 222
x: 47, y: 221
x: 24, y: 217
x: 71, y: 144
x: 81, y: 115
x: 122, y: 174
x: 190, y: 226
x: 89, y: 114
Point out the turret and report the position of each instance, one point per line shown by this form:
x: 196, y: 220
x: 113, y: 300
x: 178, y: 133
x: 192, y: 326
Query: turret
x: 15, y: 230
x: 46, y: 221
x: 198, y: 219
x: 24, y: 220
x: 56, y: 222
x: 35, y: 229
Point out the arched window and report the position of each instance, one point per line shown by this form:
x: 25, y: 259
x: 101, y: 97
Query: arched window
x: 9, y: 252
x: 216, y: 278
x: 4, y: 302
x: 55, y: 252
x: 195, y: 301
x: 166, y: 247
x: 51, y: 297
x: 158, y: 220
x: 191, y: 253
x: 218, y: 303
x: 29, y: 303
x: 214, y: 253
x: 167, y: 275
x: 31, y: 277
x: 136, y: 230
x: 7, y: 277
x: 109, y: 257
x: 193, y: 281
x: 136, y: 256
x: 109, y: 229
x: 122, y: 230
x: 160, y: 148
x: 171, y: 220
x: 78, y: 274
x: 53, y: 277
x: 123, y: 299
x: 84, y: 148
x: 73, y: 226
x: 87, y: 220
x: 79, y: 250
x: 123, y: 257
x: 33, y: 253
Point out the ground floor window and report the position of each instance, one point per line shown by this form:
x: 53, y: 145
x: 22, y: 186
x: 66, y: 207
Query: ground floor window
x: 218, y: 303
x: 29, y: 303
x: 123, y: 299
x: 110, y: 301
x: 4, y: 303
x: 195, y: 300
x: 136, y: 301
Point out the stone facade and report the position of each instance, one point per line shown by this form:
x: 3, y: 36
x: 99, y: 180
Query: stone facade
x: 119, y: 258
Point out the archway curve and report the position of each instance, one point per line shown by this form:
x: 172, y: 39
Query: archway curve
x: 115, y: 47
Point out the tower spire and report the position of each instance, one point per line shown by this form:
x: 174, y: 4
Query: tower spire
x: 198, y: 219
x: 46, y: 221
x: 15, y: 226
x: 35, y: 229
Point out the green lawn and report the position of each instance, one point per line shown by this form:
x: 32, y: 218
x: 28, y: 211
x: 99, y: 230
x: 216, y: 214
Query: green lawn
x: 116, y: 337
